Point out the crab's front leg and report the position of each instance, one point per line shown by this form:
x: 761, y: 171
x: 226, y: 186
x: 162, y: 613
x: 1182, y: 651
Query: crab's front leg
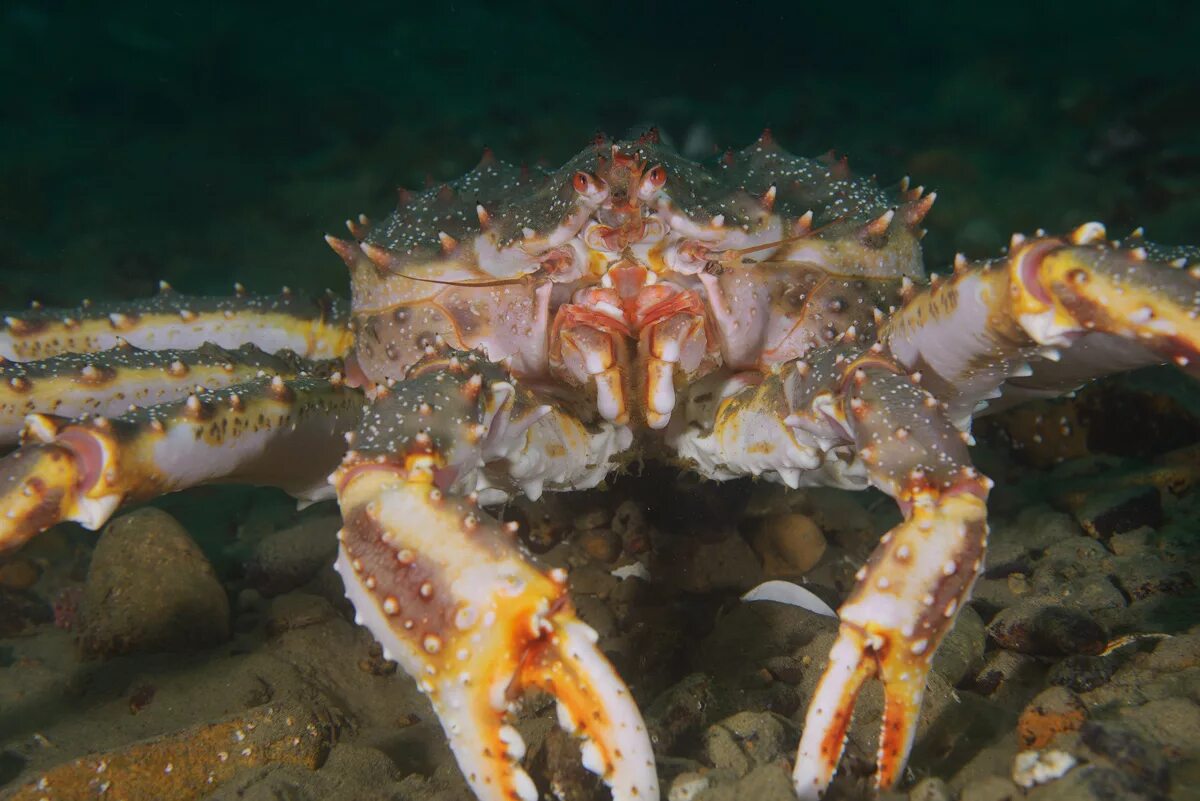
x: 912, y: 587
x: 449, y: 592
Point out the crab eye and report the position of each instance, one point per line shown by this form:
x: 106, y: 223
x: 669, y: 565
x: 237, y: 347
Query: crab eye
x: 652, y: 181
x: 582, y: 183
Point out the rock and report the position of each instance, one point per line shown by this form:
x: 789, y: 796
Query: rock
x: 1126, y: 751
x: 149, y: 588
x: 1145, y: 575
x: 679, y: 711
x: 1081, y: 673
x: 696, y: 566
x: 748, y: 739
x: 1170, y: 723
x: 1093, y: 594
x: 686, y: 786
x: 1104, y: 514
x: 1092, y: 783
x: 991, y: 788
x: 1177, y: 653
x: 961, y: 652
x: 287, y: 559
x: 1051, y: 712
x: 1036, y: 528
x: 930, y: 789
x: 1005, y: 675
x: 770, y: 782
x: 19, y: 610
x: 18, y: 574
x: 1128, y: 543
x: 601, y: 544
x: 789, y: 545
x: 1040, y: 628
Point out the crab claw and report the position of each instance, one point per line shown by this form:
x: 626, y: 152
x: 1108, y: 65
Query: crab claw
x: 450, y: 596
x: 905, y: 601
x: 37, y: 483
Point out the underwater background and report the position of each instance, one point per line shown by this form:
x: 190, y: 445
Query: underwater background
x: 208, y: 144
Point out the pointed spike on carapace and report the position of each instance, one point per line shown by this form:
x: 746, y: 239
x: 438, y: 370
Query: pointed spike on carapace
x: 728, y: 159
x: 1137, y: 233
x: 768, y: 198
x: 1015, y: 241
x: 445, y: 193
x: 650, y: 137
x: 403, y: 197
x: 382, y: 257
x: 803, y: 224
x: 960, y: 263
x: 358, y: 228
x: 904, y: 182
x: 878, y: 227
x: 919, y: 209
x: 487, y: 159
x: 165, y: 288
x: 717, y: 221
x: 485, y: 219
x: 766, y: 138
x: 1090, y: 233
x: 348, y: 250
x: 449, y: 243
x: 907, y: 289
x: 239, y: 289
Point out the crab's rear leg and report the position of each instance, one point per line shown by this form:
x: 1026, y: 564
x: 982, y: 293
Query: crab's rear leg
x: 271, y: 431
x: 314, y: 328
x: 911, y: 589
x: 449, y: 592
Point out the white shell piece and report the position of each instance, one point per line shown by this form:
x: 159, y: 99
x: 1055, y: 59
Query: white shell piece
x: 785, y: 592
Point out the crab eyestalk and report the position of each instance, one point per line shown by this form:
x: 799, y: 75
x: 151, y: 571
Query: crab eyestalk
x: 450, y: 596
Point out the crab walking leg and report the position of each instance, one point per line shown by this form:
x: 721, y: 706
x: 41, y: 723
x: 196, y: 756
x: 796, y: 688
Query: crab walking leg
x: 314, y: 328
x: 449, y: 592
x: 108, y: 383
x: 909, y: 592
x: 269, y: 431
x: 1051, y: 315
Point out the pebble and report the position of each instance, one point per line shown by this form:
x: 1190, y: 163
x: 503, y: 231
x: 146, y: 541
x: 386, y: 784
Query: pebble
x: 1042, y: 628
x: 150, y: 588
x: 601, y: 544
x: 1126, y: 751
x: 1053, y: 711
x: 930, y: 788
x: 1145, y: 575
x: 1103, y: 514
x: 1081, y: 673
x: 696, y: 566
x: 789, y: 545
x: 748, y: 739
x: 18, y: 574
x: 1177, y: 653
x: 287, y: 559
x: 961, y: 652
x: 686, y: 786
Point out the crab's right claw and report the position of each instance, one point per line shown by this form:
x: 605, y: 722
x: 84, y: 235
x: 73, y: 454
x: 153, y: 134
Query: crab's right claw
x: 450, y: 596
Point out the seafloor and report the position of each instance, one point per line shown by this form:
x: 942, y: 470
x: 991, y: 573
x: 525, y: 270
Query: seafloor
x: 214, y: 146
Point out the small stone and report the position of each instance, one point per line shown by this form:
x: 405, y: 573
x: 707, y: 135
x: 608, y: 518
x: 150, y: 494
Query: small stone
x: 1107, y: 513
x: 789, y: 545
x: 1170, y: 723
x: 748, y: 739
x: 591, y: 518
x: 1031, y: 768
x: 930, y: 789
x: 1128, y: 543
x: 1093, y: 594
x: 1041, y: 628
x: 601, y: 544
x: 1175, y: 654
x: 1126, y: 751
x: 686, y: 786
x: 149, y: 588
x: 696, y: 566
x: 1005, y: 675
x: 19, y: 574
x: 681, y: 710
x: 1051, y: 712
x: 287, y: 559
x: 1081, y: 673
x: 1145, y: 575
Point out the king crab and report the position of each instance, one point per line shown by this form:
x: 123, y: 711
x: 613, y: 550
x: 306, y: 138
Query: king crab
x: 517, y: 331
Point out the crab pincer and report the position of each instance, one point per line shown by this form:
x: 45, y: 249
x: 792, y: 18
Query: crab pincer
x: 447, y: 591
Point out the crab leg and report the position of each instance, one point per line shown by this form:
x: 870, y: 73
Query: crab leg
x: 270, y: 431
x: 314, y: 328
x: 920, y: 575
x: 845, y: 417
x: 449, y: 592
x: 109, y: 382
x: 1051, y: 315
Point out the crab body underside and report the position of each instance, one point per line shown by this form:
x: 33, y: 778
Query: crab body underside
x: 517, y: 331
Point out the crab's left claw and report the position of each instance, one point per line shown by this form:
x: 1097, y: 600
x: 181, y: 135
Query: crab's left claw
x: 892, y: 623
x: 450, y: 596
